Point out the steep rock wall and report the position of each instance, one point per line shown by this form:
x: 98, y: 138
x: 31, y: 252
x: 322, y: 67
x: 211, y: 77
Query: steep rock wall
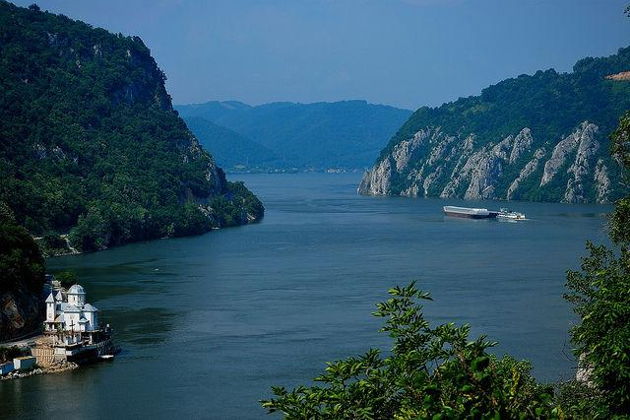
x: 433, y: 163
x: 21, y: 312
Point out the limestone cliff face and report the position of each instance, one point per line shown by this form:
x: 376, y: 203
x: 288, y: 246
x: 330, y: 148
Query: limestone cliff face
x: 539, y: 137
x: 21, y: 312
x: 433, y: 163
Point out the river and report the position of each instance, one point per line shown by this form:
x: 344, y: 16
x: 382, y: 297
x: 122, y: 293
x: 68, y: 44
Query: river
x: 208, y: 323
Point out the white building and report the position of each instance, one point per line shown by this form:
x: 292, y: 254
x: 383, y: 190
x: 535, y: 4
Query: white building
x: 69, y: 312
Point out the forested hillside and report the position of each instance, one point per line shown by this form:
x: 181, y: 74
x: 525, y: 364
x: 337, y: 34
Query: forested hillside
x: 539, y: 137
x: 90, y: 145
x: 231, y: 150
x: 316, y: 136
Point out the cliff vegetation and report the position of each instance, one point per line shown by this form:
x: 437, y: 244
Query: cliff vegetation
x: 90, y: 146
x: 541, y: 137
x: 22, y: 267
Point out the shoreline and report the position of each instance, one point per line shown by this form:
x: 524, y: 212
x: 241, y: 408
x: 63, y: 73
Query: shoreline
x: 52, y: 369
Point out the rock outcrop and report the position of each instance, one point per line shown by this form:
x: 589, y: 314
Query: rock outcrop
x: 21, y: 312
x: 527, y: 170
x: 540, y: 137
x: 433, y: 163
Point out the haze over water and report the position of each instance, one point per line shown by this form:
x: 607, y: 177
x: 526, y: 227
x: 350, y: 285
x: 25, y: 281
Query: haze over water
x: 208, y: 323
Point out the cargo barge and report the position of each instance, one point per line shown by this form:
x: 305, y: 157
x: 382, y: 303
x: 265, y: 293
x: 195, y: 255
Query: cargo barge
x: 470, y: 213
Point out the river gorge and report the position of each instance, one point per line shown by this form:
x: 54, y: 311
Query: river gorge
x: 208, y: 323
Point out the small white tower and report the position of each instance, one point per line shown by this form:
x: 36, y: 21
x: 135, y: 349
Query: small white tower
x: 91, y: 315
x: 50, y: 308
x: 76, y: 296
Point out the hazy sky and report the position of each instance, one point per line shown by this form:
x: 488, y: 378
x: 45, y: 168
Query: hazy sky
x: 400, y: 52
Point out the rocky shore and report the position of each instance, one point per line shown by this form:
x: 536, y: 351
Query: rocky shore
x: 58, y: 367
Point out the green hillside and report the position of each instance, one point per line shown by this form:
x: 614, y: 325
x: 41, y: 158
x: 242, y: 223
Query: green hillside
x: 322, y: 135
x: 232, y: 150
x: 545, y: 101
x: 90, y: 144
x: 554, y: 125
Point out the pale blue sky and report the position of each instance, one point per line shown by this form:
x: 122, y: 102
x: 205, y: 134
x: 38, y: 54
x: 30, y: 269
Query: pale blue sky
x: 400, y: 52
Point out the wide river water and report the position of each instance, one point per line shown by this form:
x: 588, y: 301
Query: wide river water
x: 208, y: 323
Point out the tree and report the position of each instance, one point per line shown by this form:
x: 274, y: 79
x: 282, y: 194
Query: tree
x: 66, y: 278
x: 620, y: 148
x: 600, y: 294
x: 21, y: 262
x: 431, y: 372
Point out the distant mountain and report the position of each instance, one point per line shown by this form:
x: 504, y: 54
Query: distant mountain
x: 212, y: 111
x: 322, y: 135
x: 543, y: 137
x: 231, y: 150
x: 90, y: 145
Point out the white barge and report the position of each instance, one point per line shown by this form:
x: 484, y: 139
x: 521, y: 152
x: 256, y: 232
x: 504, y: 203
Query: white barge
x: 470, y: 213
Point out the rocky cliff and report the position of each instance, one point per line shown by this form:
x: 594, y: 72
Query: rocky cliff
x: 21, y: 312
x: 542, y: 137
x: 433, y: 163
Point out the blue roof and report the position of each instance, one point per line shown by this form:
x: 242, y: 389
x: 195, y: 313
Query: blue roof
x: 76, y: 289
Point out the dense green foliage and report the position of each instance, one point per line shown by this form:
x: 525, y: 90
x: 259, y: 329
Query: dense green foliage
x: 322, y: 135
x: 600, y: 293
x: 21, y: 262
x: 431, y: 373
x: 89, y: 142
x: 551, y: 104
x: 236, y: 206
x: 231, y: 150
x: 66, y: 278
x: 619, y: 221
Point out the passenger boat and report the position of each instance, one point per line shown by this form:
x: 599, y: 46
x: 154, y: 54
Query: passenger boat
x: 470, y: 213
x: 510, y: 215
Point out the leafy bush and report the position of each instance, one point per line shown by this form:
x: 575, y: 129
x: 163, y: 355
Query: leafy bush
x: 600, y: 294
x: 577, y: 399
x: 431, y: 373
x: 52, y: 244
x: 66, y: 278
